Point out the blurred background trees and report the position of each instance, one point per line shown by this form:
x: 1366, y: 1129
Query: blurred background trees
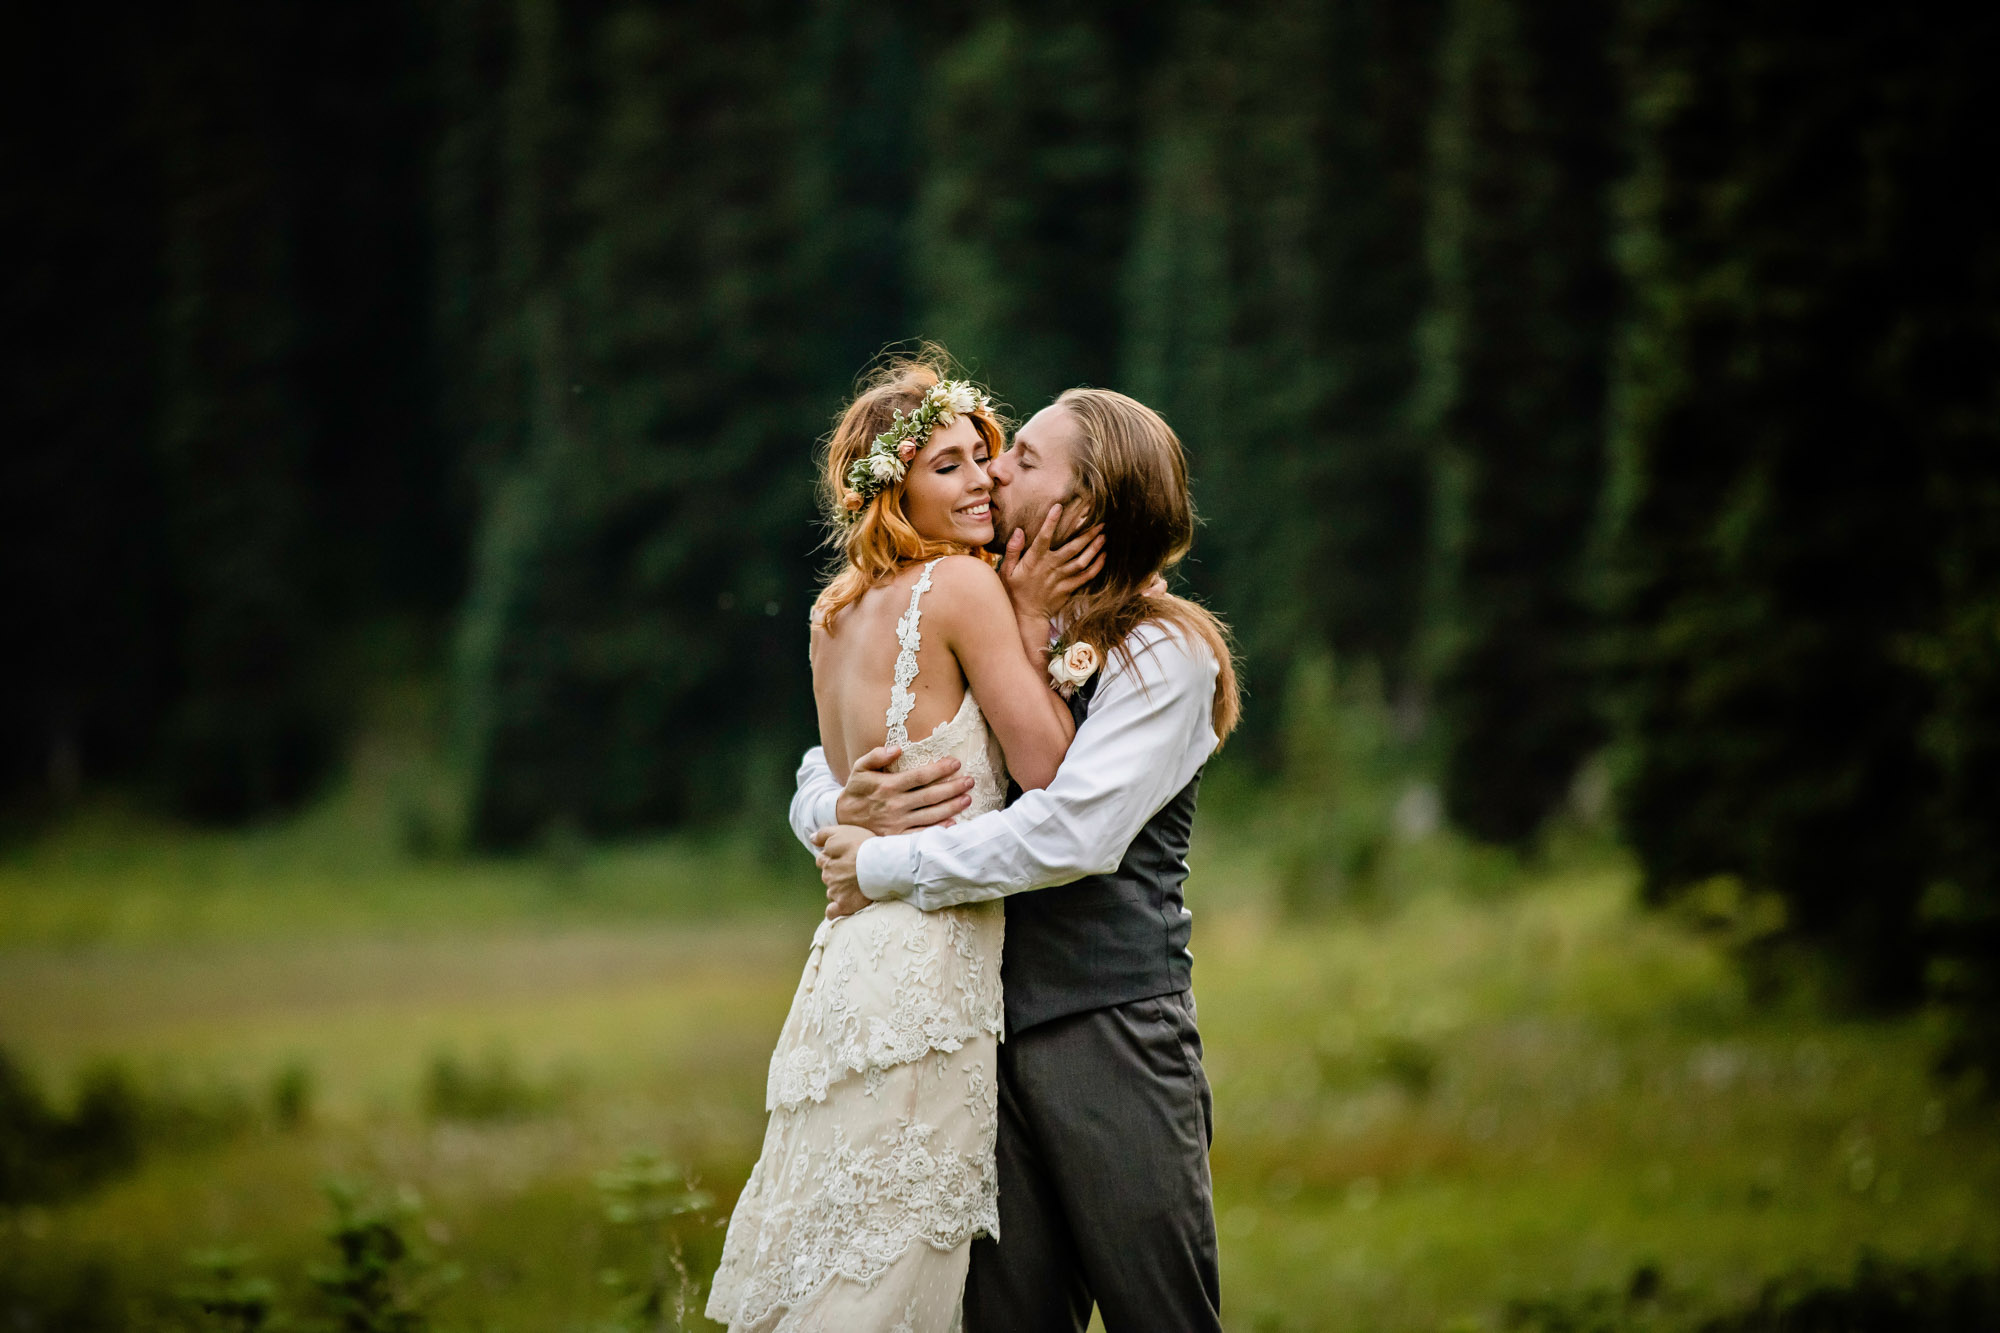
x: 1595, y: 380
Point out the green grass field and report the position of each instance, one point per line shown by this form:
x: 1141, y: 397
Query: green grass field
x: 1455, y: 1099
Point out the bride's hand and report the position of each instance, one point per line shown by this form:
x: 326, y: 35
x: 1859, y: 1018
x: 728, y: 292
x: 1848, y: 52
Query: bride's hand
x: 839, y: 850
x: 1042, y: 576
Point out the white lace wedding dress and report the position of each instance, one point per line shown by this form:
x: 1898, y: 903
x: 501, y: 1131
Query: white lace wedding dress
x: 877, y: 1167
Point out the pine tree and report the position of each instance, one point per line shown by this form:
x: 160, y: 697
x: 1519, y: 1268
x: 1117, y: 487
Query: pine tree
x: 82, y: 543
x: 635, y: 625
x: 1796, y: 402
x: 1515, y: 368
x: 1271, y: 290
x: 251, y: 731
x: 1024, y: 199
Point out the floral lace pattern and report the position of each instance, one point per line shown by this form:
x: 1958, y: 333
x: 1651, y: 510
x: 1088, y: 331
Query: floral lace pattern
x: 899, y: 984
x: 877, y: 1166
x: 867, y: 1215
x: 908, y: 638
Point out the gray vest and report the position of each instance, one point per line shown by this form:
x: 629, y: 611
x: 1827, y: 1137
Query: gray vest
x: 1104, y: 939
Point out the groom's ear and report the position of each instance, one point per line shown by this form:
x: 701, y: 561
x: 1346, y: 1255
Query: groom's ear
x: 1075, y: 519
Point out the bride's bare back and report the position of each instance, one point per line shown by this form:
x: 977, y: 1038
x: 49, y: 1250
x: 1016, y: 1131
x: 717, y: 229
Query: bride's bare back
x: 970, y: 640
x: 854, y: 668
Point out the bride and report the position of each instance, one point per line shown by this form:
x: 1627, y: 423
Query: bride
x: 877, y: 1167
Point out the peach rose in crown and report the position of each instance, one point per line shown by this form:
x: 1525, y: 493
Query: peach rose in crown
x: 906, y: 450
x: 1072, y: 667
x: 851, y: 502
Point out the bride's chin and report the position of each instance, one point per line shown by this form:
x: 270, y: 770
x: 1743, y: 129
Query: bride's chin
x: 977, y: 534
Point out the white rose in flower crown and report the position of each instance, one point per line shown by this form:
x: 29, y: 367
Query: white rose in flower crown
x: 963, y: 397
x: 1072, y: 667
x: 885, y: 468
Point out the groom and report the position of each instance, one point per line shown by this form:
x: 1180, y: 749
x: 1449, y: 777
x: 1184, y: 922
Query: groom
x: 1105, y: 1117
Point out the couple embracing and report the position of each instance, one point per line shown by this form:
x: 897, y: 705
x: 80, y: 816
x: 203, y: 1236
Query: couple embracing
x: 961, y: 1135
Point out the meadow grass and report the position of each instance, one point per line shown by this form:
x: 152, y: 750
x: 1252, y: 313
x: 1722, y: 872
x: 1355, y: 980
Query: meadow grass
x: 1453, y: 1098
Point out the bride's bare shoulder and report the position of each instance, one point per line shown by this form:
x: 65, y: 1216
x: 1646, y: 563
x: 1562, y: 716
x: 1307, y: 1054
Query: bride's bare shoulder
x: 967, y: 595
x: 967, y: 584
x: 956, y: 573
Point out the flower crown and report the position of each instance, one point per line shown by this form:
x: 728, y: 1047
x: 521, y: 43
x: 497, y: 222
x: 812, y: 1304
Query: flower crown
x: 888, y: 458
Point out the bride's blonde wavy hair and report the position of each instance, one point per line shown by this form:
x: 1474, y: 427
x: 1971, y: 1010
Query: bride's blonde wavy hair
x: 878, y: 542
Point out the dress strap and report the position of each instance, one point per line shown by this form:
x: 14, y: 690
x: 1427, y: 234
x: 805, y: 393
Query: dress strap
x: 901, y: 701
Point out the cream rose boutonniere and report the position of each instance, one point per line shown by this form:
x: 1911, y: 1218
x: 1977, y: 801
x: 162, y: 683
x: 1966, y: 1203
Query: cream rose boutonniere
x: 1072, y: 666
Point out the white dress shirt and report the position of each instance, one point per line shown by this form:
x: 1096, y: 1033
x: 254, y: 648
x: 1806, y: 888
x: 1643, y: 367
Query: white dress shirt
x: 1149, y: 729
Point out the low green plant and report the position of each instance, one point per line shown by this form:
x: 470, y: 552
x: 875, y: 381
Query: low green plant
x: 642, y: 1196
x: 378, y: 1283
x: 1332, y: 810
x: 46, y: 1155
x: 224, y: 1299
x: 491, y: 1089
x: 292, y: 1091
x: 1949, y: 1295
x: 86, y: 1297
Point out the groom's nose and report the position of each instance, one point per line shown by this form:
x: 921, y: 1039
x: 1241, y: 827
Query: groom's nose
x: 998, y: 467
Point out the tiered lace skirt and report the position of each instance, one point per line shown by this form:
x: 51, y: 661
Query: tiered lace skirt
x: 877, y: 1167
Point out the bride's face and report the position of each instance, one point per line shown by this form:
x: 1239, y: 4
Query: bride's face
x: 946, y: 495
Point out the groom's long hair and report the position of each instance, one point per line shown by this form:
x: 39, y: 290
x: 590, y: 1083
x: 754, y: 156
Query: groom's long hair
x: 1131, y: 471
x: 878, y: 542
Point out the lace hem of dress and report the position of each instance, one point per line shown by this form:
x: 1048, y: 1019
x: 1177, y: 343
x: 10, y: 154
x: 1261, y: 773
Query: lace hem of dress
x: 871, y: 1205
x: 734, y: 1316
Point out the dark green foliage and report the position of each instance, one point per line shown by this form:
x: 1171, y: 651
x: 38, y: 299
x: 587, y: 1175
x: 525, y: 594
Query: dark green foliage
x: 376, y: 1281
x: 222, y: 393
x: 1024, y: 202
x: 251, y: 730
x: 1514, y: 396
x: 1272, y: 289
x: 47, y: 1155
x: 87, y: 679
x: 1797, y: 400
x: 292, y: 1097
x: 80, y: 1298
x: 489, y: 1089
x: 1881, y: 1296
x: 1337, y: 781
x: 643, y: 1197
x: 633, y: 631
x: 227, y: 1300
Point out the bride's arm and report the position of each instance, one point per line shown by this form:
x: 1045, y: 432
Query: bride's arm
x: 1031, y: 721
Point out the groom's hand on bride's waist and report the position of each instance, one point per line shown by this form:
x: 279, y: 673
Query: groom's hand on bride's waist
x: 884, y: 803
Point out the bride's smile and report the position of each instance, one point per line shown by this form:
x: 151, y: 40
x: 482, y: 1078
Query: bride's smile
x: 948, y: 496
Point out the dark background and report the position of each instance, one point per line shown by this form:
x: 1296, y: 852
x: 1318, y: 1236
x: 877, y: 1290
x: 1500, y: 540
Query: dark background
x: 1609, y: 382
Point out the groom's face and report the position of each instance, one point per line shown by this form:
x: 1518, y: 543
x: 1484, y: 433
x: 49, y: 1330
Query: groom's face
x: 1034, y: 473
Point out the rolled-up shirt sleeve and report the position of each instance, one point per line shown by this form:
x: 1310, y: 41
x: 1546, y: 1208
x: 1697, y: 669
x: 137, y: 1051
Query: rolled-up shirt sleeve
x: 813, y: 800
x: 1148, y: 731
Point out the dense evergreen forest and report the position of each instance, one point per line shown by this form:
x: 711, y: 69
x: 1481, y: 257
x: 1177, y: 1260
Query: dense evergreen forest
x: 1604, y: 379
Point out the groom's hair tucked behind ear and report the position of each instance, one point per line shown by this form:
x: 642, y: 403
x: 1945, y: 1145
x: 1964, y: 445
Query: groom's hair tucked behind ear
x: 878, y: 540
x: 1132, y: 473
